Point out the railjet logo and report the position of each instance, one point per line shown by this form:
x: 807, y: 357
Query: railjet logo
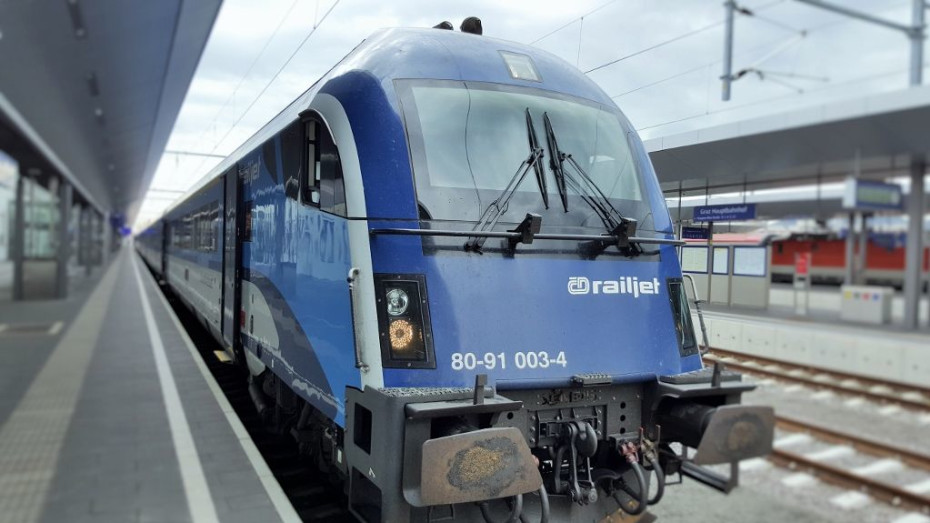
x: 578, y: 285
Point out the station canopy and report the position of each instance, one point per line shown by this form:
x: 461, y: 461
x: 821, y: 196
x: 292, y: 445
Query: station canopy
x: 90, y: 90
x: 817, y: 144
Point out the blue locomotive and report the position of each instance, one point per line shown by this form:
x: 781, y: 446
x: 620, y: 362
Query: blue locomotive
x: 451, y: 273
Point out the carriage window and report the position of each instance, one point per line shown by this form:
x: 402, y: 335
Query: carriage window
x: 311, y: 182
x: 323, y: 184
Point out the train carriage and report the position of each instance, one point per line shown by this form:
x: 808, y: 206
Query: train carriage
x: 451, y: 273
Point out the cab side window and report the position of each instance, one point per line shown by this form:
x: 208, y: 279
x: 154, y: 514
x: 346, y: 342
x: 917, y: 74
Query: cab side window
x: 322, y: 183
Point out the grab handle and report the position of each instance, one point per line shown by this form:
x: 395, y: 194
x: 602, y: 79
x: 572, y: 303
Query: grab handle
x: 697, y: 306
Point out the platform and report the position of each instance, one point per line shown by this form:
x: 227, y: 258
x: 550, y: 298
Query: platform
x: 108, y: 414
x: 820, y: 339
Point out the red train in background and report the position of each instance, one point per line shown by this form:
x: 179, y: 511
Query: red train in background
x: 884, y: 258
x: 884, y: 255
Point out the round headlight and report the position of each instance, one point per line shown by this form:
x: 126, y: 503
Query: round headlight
x: 397, y: 302
x: 402, y: 333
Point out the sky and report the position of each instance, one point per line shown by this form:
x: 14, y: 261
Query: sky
x: 660, y: 61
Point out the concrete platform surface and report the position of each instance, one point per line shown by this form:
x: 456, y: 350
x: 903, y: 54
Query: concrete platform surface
x: 108, y: 414
x: 820, y: 339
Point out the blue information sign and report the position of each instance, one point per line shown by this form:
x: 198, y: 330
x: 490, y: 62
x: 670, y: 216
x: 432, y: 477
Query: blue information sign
x: 725, y: 213
x: 695, y: 233
x: 871, y: 195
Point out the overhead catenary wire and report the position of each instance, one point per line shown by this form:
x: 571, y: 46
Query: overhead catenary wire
x: 277, y: 73
x: 679, y: 74
x: 656, y: 46
x: 273, y: 78
x: 677, y: 38
x: 572, y: 21
x: 248, y: 71
x: 806, y: 32
x: 850, y: 81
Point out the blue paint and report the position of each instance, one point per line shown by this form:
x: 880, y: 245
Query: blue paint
x: 298, y: 257
x: 212, y: 193
x: 487, y: 304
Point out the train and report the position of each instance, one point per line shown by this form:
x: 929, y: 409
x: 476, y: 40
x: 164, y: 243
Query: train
x: 884, y: 258
x: 446, y: 338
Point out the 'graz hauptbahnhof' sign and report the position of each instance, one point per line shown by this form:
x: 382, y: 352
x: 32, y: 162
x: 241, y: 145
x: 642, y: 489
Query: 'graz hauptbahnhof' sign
x: 725, y: 213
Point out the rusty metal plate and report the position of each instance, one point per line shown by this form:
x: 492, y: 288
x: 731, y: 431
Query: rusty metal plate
x: 737, y: 432
x: 479, y: 465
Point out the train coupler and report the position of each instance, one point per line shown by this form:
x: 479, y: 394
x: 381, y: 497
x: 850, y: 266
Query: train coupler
x: 579, y: 439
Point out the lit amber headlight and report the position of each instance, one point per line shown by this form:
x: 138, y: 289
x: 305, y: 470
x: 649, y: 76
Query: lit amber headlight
x: 402, y: 334
x: 403, y: 321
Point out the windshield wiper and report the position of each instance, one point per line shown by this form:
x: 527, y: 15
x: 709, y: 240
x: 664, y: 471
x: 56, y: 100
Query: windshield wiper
x: 496, y: 208
x: 537, y: 165
x: 555, y: 161
x: 618, y: 226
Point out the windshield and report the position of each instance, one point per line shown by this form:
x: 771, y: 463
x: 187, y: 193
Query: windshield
x: 468, y: 139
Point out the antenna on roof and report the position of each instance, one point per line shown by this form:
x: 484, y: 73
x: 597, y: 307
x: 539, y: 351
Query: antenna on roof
x: 472, y: 25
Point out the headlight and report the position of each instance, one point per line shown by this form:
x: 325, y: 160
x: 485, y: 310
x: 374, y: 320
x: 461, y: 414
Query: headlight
x: 397, y: 302
x: 402, y: 334
x: 403, y: 321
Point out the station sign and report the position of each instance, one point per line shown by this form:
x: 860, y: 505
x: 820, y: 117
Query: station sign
x: 871, y: 195
x: 695, y: 233
x: 725, y: 213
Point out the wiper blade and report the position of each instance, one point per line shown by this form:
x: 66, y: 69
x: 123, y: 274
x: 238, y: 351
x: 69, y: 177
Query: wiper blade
x: 616, y: 224
x: 537, y: 165
x: 555, y: 161
x: 496, y: 208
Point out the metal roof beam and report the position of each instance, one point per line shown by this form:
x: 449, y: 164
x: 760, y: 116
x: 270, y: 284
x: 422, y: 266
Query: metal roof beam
x: 22, y: 126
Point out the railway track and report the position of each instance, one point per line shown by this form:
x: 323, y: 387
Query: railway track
x: 314, y: 498
x: 865, y: 478
x: 908, y: 396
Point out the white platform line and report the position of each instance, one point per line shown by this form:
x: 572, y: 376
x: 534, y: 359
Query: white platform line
x: 272, y: 488
x: 196, y: 489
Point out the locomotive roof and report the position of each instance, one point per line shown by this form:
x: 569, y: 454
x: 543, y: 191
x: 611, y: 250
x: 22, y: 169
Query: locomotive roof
x: 417, y: 53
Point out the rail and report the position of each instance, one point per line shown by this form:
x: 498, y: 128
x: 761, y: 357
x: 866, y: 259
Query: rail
x: 912, y: 397
x: 893, y: 494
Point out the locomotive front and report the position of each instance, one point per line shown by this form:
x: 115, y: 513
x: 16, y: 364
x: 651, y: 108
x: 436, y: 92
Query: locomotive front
x: 528, y: 336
